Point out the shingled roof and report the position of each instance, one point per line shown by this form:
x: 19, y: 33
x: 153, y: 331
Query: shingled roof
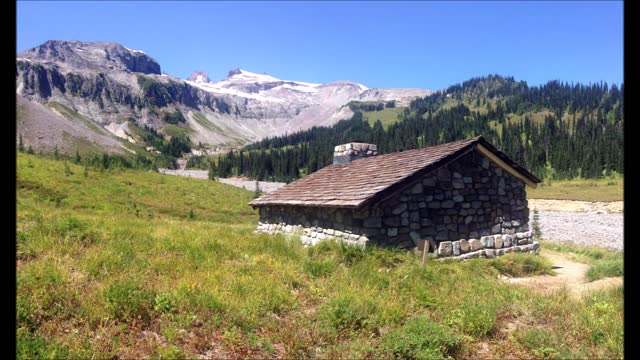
x: 355, y: 184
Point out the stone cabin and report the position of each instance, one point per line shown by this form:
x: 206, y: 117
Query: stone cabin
x: 466, y: 198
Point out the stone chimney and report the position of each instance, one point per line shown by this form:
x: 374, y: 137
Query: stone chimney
x: 346, y: 153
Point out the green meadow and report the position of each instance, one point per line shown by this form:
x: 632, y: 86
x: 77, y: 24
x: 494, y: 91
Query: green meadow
x: 132, y: 264
x: 605, y: 190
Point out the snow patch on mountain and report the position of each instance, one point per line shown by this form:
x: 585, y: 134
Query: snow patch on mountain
x: 135, y: 51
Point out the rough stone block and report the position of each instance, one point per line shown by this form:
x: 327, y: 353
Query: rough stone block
x: 487, y: 241
x: 448, y: 204
x: 444, y: 174
x: 496, y: 229
x: 444, y: 248
x: 392, y: 221
x: 475, y: 244
x: 464, y: 246
x: 392, y: 231
x: 523, y: 241
x: 429, y: 182
x: 434, y: 205
x: 372, y: 222
x: 417, y: 189
x: 363, y: 239
x: 457, y: 184
x: 506, y: 239
x: 399, y: 209
x: 456, y: 248
x: 458, y: 198
x: 490, y: 253
x: 442, y: 235
x: 498, y: 241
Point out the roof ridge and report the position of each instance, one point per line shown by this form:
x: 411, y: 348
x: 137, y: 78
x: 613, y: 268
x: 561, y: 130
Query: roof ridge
x: 472, y: 140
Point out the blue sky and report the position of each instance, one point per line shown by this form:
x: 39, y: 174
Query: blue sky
x: 428, y: 45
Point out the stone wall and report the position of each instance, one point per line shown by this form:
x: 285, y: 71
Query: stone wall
x: 313, y: 224
x: 346, y: 153
x: 467, y: 199
x: 468, y: 208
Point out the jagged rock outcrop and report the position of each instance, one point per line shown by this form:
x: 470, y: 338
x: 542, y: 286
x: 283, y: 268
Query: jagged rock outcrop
x: 96, y: 56
x: 199, y: 77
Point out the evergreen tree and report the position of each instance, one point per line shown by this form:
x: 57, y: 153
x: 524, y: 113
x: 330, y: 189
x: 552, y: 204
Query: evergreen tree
x: 581, y: 133
x: 257, y: 192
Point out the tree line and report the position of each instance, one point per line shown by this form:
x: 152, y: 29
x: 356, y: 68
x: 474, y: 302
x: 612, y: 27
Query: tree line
x: 556, y: 130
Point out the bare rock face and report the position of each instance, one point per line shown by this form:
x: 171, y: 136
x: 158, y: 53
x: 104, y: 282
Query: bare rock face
x: 98, y: 56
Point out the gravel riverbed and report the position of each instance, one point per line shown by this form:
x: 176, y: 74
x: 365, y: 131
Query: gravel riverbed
x: 582, y: 228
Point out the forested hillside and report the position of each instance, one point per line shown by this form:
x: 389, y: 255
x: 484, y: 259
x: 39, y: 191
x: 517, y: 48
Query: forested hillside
x: 556, y: 130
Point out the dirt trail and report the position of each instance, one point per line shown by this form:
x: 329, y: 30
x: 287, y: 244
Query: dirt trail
x: 568, y: 273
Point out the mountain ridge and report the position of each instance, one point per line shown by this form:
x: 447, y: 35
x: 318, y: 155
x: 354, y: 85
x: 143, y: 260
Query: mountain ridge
x: 111, y: 84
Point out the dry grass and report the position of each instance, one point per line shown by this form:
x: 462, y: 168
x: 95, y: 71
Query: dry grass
x: 604, y: 190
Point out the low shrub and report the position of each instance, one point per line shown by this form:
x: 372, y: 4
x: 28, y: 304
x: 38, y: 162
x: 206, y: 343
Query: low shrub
x: 421, y: 338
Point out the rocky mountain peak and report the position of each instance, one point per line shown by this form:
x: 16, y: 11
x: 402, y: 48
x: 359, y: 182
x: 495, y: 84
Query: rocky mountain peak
x: 236, y: 71
x: 199, y: 77
x: 100, y: 56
